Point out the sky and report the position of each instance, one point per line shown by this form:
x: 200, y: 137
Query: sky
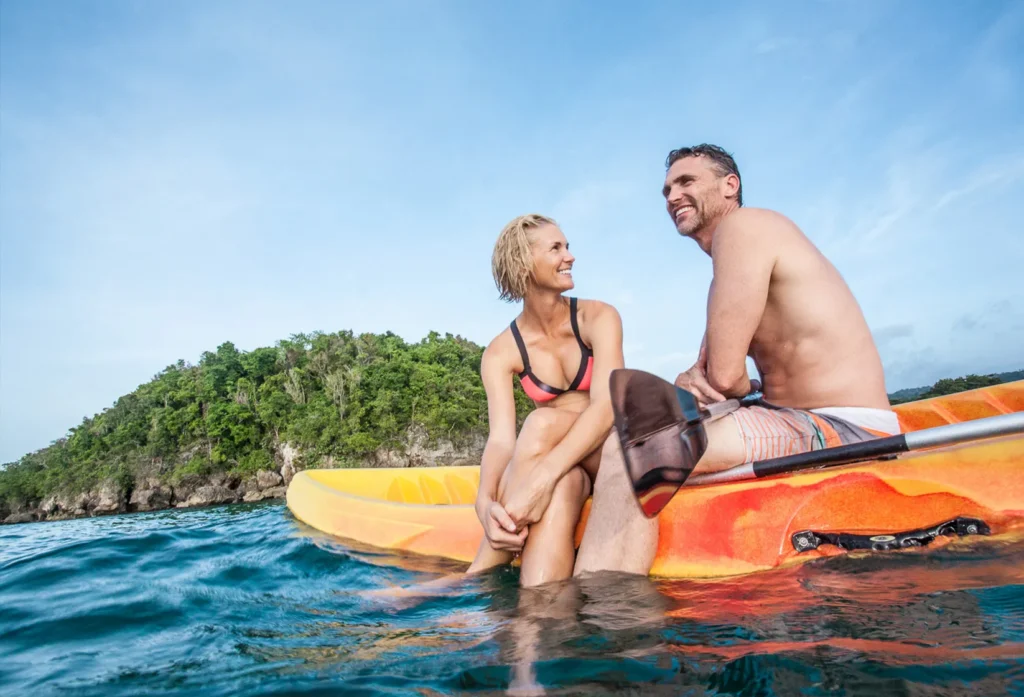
x: 178, y: 175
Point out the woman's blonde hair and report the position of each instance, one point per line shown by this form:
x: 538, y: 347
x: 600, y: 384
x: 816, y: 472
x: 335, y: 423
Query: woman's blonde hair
x: 512, y: 262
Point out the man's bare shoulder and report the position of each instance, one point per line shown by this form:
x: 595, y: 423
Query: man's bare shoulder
x: 755, y: 233
x: 756, y: 221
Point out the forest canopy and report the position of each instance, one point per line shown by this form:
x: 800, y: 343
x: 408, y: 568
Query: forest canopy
x: 336, y: 396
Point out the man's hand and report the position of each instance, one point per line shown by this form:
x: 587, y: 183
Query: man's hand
x: 529, y: 495
x: 695, y: 381
x: 499, y: 529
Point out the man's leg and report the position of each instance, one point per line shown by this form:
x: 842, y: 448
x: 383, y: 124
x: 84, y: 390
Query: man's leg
x: 726, y: 446
x: 539, y: 610
x: 618, y: 536
x: 755, y: 433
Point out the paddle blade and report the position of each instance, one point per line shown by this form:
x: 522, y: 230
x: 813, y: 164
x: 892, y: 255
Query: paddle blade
x: 660, y: 432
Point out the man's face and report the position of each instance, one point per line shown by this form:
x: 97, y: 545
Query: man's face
x: 692, y: 194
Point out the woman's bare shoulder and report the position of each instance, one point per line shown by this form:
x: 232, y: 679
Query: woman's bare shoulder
x: 501, y: 354
x: 598, y: 310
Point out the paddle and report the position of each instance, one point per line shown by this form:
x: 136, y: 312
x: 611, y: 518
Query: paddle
x: 661, y: 430
x: 888, y: 448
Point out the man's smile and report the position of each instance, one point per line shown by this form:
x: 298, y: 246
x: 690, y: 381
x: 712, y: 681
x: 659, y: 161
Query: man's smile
x: 682, y: 211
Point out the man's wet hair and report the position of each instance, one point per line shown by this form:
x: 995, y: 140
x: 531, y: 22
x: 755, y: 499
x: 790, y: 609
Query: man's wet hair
x: 722, y: 160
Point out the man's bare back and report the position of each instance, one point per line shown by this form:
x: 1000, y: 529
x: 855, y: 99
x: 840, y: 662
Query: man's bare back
x: 812, y: 345
x: 776, y: 298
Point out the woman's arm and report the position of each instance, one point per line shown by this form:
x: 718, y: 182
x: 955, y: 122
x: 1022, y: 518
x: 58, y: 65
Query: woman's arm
x: 499, y: 528
x: 604, y: 327
x: 501, y: 418
x: 526, y: 504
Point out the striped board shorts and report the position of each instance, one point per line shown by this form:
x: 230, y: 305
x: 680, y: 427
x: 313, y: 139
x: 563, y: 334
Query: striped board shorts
x: 769, y: 431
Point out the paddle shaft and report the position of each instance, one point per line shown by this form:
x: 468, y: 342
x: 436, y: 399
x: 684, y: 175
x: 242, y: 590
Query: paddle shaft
x: 988, y: 427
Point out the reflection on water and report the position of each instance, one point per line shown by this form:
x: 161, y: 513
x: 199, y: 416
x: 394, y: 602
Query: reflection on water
x: 243, y: 600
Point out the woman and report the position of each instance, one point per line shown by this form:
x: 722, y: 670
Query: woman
x: 532, y: 488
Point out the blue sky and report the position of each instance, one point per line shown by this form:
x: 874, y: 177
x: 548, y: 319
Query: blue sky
x: 177, y: 175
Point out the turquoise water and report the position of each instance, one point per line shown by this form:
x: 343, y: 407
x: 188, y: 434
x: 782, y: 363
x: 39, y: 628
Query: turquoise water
x: 244, y: 600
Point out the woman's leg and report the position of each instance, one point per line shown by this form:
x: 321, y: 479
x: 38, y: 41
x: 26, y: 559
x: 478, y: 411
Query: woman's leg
x: 488, y: 557
x: 549, y: 554
x: 541, y: 432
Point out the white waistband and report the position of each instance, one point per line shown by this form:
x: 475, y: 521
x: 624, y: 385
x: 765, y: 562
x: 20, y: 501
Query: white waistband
x: 883, y: 420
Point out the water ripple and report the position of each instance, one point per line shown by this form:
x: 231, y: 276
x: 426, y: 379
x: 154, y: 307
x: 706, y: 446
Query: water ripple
x: 243, y: 600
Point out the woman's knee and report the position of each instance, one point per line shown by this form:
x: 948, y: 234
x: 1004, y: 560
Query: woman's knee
x: 571, y: 491
x: 541, y: 431
x: 575, y: 483
x: 540, y: 423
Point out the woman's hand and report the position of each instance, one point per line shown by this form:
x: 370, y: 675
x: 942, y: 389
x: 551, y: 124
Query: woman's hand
x: 526, y: 501
x: 499, y: 529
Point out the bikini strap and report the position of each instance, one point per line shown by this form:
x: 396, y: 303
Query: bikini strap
x: 587, y: 353
x: 576, y: 327
x: 522, y: 347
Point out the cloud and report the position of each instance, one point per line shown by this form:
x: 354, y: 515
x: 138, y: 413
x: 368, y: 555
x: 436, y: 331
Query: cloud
x: 892, y: 332
x: 991, y: 178
x: 986, y: 340
x: 902, y: 194
x: 987, y: 68
x: 774, y: 44
x: 965, y: 323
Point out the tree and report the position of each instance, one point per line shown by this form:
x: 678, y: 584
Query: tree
x: 336, y: 396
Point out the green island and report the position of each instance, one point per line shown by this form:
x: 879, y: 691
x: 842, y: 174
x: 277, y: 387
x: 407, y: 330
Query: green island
x: 952, y: 386
x: 237, y: 425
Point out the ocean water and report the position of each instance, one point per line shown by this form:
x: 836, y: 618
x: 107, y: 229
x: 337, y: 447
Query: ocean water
x: 244, y: 600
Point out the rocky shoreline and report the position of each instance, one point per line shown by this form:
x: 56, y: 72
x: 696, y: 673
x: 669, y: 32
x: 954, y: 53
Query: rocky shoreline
x: 154, y: 493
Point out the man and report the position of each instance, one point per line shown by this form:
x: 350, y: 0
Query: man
x: 773, y: 297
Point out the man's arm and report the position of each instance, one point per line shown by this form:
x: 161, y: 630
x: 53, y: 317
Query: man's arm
x: 743, y: 256
x: 695, y: 381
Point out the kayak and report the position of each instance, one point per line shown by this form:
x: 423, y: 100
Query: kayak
x: 921, y: 498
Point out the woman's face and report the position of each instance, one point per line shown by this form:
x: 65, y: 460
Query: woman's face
x: 552, y: 262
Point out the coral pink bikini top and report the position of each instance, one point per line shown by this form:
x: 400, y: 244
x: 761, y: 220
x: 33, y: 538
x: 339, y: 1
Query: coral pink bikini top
x: 536, y: 389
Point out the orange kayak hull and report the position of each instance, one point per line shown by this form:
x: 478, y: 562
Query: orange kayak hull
x: 713, y: 530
